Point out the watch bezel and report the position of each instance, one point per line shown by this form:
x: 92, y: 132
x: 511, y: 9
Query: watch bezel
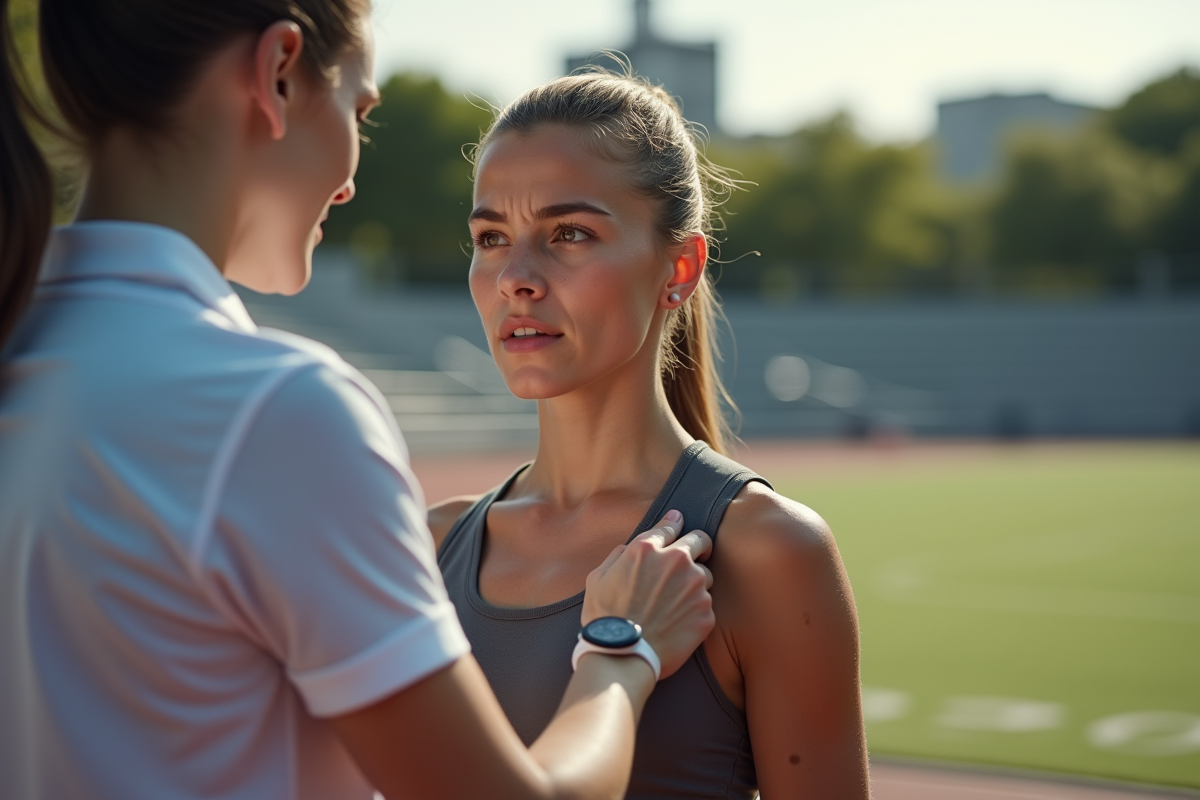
x: 635, y: 633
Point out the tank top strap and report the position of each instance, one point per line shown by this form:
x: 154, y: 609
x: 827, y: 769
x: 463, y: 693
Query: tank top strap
x: 472, y: 520
x: 700, y: 487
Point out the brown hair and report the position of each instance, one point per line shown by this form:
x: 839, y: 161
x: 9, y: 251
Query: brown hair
x: 638, y: 124
x: 114, y: 63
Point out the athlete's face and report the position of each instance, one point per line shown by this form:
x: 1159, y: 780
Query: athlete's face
x: 570, y: 274
x: 295, y: 180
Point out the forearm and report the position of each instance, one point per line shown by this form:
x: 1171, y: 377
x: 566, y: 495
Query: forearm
x: 587, y: 750
x: 447, y: 737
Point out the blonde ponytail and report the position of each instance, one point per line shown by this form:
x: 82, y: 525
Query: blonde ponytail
x: 689, y: 369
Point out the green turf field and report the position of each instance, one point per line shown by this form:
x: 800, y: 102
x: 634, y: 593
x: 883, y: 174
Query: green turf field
x: 1029, y: 607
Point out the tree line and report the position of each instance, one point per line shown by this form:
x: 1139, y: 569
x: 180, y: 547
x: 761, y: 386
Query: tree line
x: 824, y: 211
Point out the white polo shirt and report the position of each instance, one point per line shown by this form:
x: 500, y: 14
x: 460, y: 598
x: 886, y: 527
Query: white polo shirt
x: 210, y: 539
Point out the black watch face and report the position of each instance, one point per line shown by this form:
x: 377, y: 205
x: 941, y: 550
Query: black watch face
x: 612, y: 632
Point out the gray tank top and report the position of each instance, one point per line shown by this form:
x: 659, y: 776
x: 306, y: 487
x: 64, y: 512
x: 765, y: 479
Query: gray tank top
x: 692, y: 741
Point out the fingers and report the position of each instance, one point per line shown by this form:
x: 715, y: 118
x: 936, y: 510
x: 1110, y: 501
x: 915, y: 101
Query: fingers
x: 697, y: 543
x: 666, y: 530
x: 708, y: 578
x: 612, y: 559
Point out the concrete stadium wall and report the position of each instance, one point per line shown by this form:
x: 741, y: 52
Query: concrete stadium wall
x: 1100, y: 368
x: 978, y: 368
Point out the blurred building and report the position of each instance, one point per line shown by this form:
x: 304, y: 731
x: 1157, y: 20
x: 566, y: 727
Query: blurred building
x: 971, y: 133
x: 687, y: 70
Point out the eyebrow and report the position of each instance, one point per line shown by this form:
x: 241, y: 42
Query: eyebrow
x: 548, y: 212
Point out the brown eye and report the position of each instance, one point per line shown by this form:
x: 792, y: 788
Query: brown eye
x: 573, y: 235
x: 488, y: 240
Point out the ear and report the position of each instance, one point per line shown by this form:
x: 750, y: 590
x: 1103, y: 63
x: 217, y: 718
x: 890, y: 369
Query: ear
x: 690, y: 261
x: 276, y: 64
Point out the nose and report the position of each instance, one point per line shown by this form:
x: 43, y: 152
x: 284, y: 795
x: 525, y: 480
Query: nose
x: 345, y: 194
x: 522, y: 276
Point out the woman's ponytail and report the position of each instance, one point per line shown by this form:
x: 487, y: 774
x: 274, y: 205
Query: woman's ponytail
x: 690, y: 375
x: 26, y: 189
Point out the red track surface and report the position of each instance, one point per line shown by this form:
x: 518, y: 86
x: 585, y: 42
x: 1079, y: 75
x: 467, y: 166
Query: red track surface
x: 445, y: 476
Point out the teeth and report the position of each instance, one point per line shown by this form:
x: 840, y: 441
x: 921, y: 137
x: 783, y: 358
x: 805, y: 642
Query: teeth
x: 525, y: 332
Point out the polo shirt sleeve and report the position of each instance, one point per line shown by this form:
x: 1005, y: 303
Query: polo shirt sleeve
x: 319, y: 549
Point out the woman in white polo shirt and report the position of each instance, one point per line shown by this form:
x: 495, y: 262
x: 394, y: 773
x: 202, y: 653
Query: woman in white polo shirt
x: 215, y: 576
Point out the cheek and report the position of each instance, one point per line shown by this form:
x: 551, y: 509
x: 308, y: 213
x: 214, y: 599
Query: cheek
x: 482, y: 285
x: 335, y: 157
x: 614, y: 309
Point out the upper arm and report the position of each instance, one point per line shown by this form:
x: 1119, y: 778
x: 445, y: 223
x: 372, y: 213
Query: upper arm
x: 790, y: 614
x: 319, y: 551
x: 443, y: 515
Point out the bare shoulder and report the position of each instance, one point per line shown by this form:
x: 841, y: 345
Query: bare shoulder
x: 774, y: 554
x: 761, y: 526
x: 442, y: 516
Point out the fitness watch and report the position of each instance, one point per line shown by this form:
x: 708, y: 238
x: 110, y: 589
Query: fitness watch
x: 615, y: 636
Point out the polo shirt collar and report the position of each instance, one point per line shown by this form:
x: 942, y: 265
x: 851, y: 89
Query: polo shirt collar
x: 141, y: 253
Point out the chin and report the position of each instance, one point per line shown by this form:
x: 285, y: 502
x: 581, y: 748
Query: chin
x: 536, y: 386
x: 281, y: 271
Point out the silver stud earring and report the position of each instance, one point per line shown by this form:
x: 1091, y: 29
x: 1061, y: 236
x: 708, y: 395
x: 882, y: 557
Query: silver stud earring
x: 674, y: 297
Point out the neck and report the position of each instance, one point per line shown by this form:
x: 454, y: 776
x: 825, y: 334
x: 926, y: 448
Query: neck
x: 615, y: 435
x: 183, y: 185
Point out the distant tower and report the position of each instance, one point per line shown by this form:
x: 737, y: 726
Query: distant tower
x: 971, y: 132
x: 641, y: 29
x: 688, y: 71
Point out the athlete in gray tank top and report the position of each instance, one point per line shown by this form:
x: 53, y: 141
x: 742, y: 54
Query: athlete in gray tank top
x: 591, y: 218
x: 692, y: 741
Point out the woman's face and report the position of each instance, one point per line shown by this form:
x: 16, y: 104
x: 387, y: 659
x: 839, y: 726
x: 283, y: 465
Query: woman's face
x: 569, y: 273
x: 292, y: 182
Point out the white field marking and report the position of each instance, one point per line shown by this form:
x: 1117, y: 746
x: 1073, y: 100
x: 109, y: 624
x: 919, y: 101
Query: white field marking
x: 882, y: 705
x: 1004, y: 714
x: 1148, y: 733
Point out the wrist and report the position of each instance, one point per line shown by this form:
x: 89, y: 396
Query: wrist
x: 640, y: 651
x: 597, y: 669
x: 616, y: 636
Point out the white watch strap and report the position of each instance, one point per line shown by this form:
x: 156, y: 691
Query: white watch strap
x: 641, y: 649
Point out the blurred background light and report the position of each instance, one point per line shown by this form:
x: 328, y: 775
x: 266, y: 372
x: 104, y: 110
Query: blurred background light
x: 787, y: 377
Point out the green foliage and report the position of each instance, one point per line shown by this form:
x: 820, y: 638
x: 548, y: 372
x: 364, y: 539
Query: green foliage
x: 64, y: 160
x: 1074, y: 212
x: 1161, y: 116
x: 22, y: 15
x: 413, y: 184
x: 834, y: 212
x: 1068, y: 213
x: 1179, y: 227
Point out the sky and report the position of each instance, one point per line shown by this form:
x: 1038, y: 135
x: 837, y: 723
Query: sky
x: 782, y: 64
